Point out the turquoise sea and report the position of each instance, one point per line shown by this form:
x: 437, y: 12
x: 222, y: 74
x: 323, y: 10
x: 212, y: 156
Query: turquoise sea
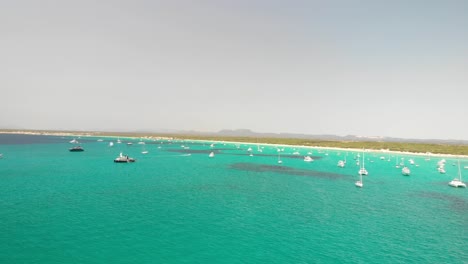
x: 177, y: 205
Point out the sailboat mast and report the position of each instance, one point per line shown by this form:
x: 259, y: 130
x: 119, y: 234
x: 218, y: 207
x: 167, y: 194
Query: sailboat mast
x: 459, y: 171
x: 363, y: 159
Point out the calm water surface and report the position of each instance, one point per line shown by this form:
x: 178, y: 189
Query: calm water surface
x: 177, y: 205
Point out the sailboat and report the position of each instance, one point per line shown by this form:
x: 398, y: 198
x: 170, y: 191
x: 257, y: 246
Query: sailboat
x: 279, y: 157
x: 359, y: 183
x: 144, y: 151
x: 362, y: 170
x: 457, y: 182
x: 405, y: 171
x: 211, y: 154
x: 341, y: 164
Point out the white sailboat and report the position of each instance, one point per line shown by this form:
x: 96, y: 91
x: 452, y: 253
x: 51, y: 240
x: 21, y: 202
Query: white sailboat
x: 457, y: 182
x: 359, y: 183
x: 362, y: 170
x: 341, y: 164
x: 144, y: 151
x: 279, y: 157
x: 211, y: 155
x: 405, y: 171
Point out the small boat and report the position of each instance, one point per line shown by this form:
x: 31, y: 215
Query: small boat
x: 129, y: 143
x: 99, y: 140
x: 296, y: 153
x: 76, y: 149
x: 341, y: 164
x: 359, y: 183
x: 123, y: 159
x: 74, y: 141
x: 141, y: 143
x: 405, y: 171
x: 441, y: 170
x: 279, y: 157
x: 119, y: 141
x: 1, y: 155
x: 211, y: 155
x: 144, y: 152
x: 457, y: 182
x: 411, y: 161
x: 362, y: 170
x: 308, y: 159
x: 111, y: 144
x: 251, y: 155
x: 249, y: 149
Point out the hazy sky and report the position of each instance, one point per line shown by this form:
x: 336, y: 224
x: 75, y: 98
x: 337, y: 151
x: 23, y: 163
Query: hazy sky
x: 387, y: 68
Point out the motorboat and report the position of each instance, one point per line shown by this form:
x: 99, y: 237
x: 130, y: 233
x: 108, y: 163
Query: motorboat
x: 123, y: 159
x: 76, y: 149
x: 308, y: 159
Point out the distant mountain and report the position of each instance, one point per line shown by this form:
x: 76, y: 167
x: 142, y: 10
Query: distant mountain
x: 250, y: 133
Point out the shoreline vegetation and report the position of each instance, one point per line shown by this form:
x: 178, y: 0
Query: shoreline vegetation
x: 428, y: 149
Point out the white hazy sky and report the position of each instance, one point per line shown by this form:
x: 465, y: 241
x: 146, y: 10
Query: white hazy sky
x: 390, y: 68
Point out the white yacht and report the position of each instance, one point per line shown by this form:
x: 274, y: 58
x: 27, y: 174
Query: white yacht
x: 74, y: 141
x: 405, y: 171
x: 457, y: 182
x: 308, y: 159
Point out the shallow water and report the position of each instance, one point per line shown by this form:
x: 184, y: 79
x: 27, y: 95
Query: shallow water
x: 170, y: 207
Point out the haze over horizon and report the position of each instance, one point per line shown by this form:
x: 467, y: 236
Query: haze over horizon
x: 369, y: 68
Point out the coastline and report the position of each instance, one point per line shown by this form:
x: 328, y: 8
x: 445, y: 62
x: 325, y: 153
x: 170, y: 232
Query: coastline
x: 187, y: 138
x: 385, y: 151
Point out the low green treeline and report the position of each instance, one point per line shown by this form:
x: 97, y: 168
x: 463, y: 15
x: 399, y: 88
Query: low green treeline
x: 393, y: 146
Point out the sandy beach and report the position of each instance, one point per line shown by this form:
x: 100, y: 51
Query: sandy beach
x: 97, y: 135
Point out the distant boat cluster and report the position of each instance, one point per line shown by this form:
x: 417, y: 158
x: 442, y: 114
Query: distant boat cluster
x: 405, y: 170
